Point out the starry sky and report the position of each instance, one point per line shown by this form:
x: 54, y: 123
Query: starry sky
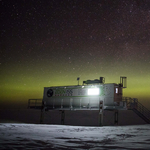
x: 52, y: 42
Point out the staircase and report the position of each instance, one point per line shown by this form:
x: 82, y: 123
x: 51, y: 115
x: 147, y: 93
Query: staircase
x: 138, y: 108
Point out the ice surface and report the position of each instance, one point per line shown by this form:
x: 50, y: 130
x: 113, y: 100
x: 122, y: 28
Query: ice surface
x: 37, y: 136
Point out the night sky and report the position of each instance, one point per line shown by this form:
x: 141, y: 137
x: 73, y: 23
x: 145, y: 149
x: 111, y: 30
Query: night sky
x: 52, y: 42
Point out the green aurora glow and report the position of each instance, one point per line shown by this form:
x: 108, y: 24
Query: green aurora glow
x: 51, y: 43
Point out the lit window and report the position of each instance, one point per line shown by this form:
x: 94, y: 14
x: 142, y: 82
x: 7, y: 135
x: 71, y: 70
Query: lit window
x: 116, y: 90
x: 93, y: 91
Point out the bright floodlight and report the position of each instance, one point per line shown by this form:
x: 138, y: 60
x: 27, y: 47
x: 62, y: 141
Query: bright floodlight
x: 93, y: 91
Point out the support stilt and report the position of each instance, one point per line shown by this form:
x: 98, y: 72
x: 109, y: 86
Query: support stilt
x: 42, y: 113
x: 116, y: 117
x: 62, y: 117
x: 100, y: 118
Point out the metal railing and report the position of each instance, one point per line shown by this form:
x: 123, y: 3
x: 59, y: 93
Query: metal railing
x: 133, y: 104
x: 34, y: 103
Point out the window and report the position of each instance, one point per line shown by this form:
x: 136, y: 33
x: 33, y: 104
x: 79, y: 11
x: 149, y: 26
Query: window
x: 116, y: 90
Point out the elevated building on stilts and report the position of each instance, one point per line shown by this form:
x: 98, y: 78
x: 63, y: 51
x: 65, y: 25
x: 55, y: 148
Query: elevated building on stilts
x: 91, y: 95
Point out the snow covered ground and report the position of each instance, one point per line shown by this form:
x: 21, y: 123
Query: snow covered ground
x: 37, y: 136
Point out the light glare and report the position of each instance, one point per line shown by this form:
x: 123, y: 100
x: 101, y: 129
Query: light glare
x: 94, y: 91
